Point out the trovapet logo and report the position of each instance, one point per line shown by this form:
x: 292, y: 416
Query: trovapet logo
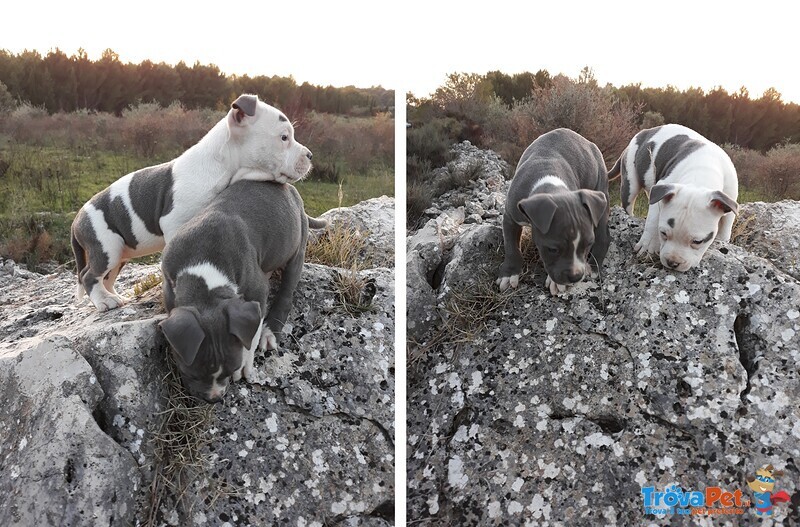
x: 711, y: 501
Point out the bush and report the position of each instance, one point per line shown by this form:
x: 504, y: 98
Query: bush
x: 34, y: 239
x: 354, y: 144
x: 583, y: 107
x: 780, y: 176
x: 7, y: 102
x: 775, y: 175
x: 431, y: 141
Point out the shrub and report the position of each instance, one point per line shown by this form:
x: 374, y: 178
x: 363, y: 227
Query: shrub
x: 775, y: 175
x: 7, y: 102
x: 432, y: 140
x: 583, y: 107
x: 34, y: 239
x: 780, y: 175
x: 353, y: 143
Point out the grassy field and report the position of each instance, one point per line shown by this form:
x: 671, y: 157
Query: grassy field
x: 319, y: 196
x: 41, y: 188
x: 640, y: 208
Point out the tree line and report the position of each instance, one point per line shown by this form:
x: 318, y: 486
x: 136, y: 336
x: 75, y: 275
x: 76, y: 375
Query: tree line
x: 62, y: 83
x: 736, y: 118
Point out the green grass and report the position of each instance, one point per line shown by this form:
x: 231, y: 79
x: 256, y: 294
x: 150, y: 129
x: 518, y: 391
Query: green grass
x: 319, y: 197
x: 42, y: 187
x: 640, y: 208
x: 57, y: 179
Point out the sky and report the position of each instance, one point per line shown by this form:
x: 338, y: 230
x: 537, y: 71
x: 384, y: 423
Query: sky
x: 412, y: 45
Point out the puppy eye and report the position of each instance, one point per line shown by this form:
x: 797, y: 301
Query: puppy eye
x: 664, y: 234
x: 552, y: 250
x: 284, y: 137
x: 697, y: 242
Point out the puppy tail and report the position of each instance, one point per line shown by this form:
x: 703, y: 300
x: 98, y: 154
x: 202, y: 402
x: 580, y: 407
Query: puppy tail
x: 616, y: 170
x: 316, y: 223
x: 80, y: 263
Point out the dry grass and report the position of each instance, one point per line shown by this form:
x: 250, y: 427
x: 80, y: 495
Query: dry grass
x: 742, y: 229
x: 340, y: 246
x: 466, y: 316
x: 179, y: 445
x: 354, y: 291
x: 146, y: 284
x: 345, y: 248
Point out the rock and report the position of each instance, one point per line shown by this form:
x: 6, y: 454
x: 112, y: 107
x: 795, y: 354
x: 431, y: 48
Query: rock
x: 57, y: 465
x: 375, y: 218
x: 772, y: 231
x: 311, y: 441
x: 533, y: 409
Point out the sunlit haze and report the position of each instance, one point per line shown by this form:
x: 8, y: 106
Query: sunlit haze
x: 412, y: 45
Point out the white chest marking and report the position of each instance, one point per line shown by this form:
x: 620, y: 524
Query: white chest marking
x: 212, y: 276
x: 549, y: 180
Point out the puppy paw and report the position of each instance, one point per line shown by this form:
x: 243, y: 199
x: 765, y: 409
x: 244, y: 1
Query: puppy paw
x: 555, y: 289
x: 250, y: 373
x: 237, y: 375
x: 647, y: 245
x: 508, y: 281
x: 109, y: 302
x: 268, y: 340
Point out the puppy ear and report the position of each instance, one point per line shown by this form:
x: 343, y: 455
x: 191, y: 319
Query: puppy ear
x: 596, y: 202
x: 540, y: 209
x: 244, y: 319
x: 662, y: 191
x: 723, y: 202
x: 244, y: 105
x: 184, y: 333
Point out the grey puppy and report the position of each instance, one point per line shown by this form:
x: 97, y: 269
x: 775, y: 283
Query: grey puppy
x: 560, y: 189
x: 216, y: 282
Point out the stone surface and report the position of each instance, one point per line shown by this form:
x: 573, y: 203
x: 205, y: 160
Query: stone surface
x: 772, y: 231
x: 559, y: 410
x: 310, y: 444
x: 375, y: 218
x: 57, y: 467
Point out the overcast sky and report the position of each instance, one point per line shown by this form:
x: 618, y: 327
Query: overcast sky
x: 412, y: 45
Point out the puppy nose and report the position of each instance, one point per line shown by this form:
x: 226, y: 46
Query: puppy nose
x: 673, y: 264
x: 574, y: 277
x: 309, y: 155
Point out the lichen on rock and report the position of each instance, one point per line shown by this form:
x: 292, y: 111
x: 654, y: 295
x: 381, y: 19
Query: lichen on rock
x: 558, y: 410
x: 311, y: 443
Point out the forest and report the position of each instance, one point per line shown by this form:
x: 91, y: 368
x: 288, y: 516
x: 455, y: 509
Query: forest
x: 70, y: 126
x: 61, y: 83
x: 506, y: 113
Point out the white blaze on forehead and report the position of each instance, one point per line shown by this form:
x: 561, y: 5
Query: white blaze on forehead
x: 577, y: 262
x: 212, y: 276
x: 216, y: 388
x: 549, y: 180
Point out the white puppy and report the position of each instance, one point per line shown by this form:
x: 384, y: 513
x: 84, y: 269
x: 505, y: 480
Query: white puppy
x: 692, y: 186
x: 140, y: 212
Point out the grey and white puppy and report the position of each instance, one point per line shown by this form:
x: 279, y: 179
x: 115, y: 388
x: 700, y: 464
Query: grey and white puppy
x: 216, y: 282
x: 560, y: 189
x: 139, y: 213
x: 692, y: 185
